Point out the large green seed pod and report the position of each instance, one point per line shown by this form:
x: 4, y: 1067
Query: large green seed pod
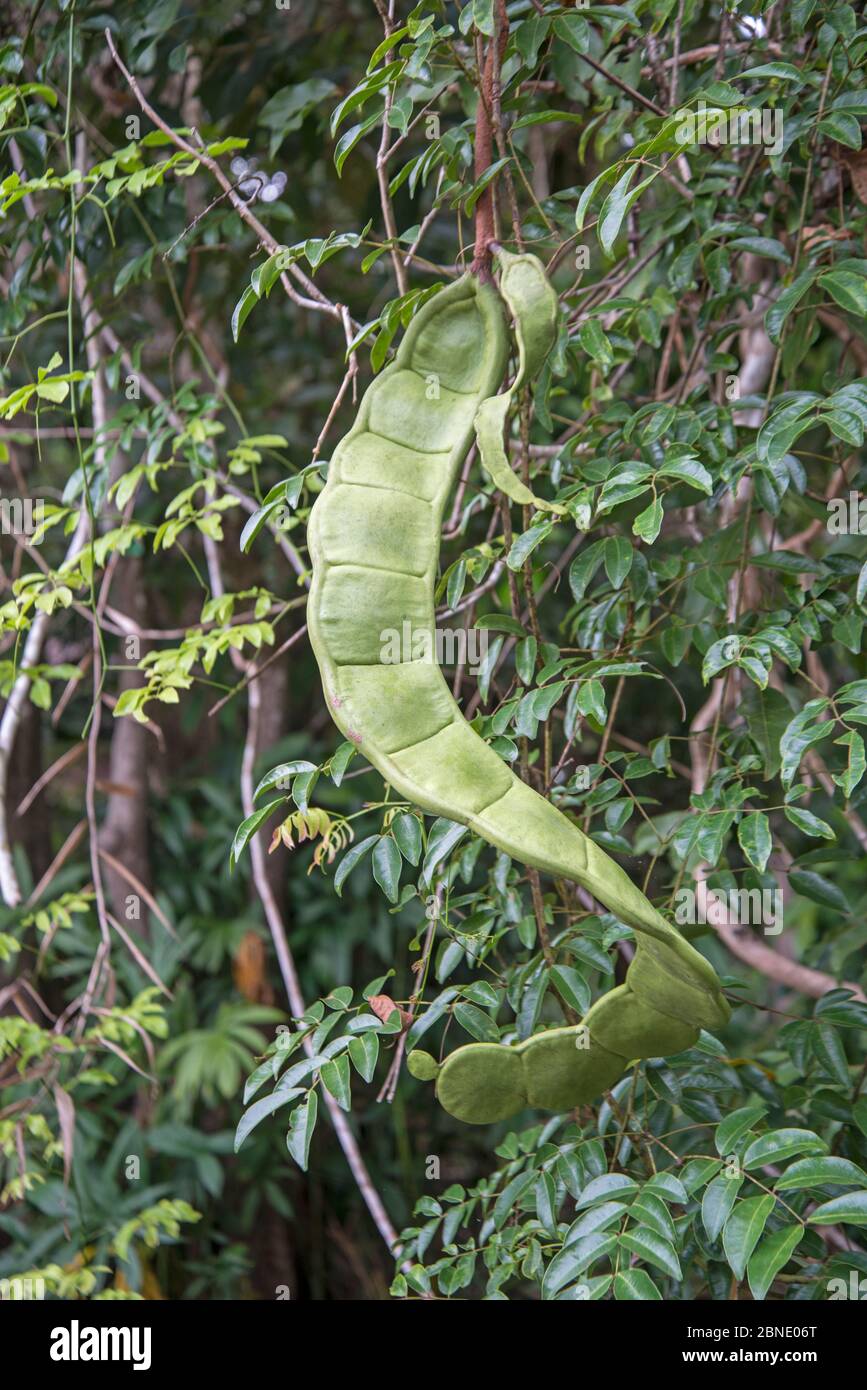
x: 374, y: 541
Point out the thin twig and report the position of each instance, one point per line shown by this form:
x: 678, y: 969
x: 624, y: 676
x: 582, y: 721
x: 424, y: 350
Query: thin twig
x: 292, y: 984
x: 313, y: 297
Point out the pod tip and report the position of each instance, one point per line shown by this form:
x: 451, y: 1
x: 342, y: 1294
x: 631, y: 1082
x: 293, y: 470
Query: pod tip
x: 422, y: 1066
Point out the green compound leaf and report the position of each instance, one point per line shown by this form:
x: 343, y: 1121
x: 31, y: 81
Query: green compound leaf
x: 850, y: 1209
x: 769, y: 1258
x: 336, y: 1078
x: 754, y: 838
x: 387, y: 864
x: 743, y: 1231
x: 635, y: 1285
x: 821, y: 1172
x: 717, y: 1202
x: 653, y: 1248
x: 780, y: 1144
x: 301, y: 1127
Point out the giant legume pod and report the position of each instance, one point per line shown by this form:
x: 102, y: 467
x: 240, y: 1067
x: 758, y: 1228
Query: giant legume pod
x: 374, y: 542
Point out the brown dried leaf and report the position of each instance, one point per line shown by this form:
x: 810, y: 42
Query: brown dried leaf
x: 66, y: 1116
x: 856, y: 162
x: 823, y: 231
x: 249, y: 972
x: 383, y: 1007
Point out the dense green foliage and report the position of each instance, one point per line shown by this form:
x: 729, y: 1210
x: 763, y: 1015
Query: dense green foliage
x: 675, y: 661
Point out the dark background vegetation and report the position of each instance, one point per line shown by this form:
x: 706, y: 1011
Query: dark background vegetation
x: 709, y: 357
